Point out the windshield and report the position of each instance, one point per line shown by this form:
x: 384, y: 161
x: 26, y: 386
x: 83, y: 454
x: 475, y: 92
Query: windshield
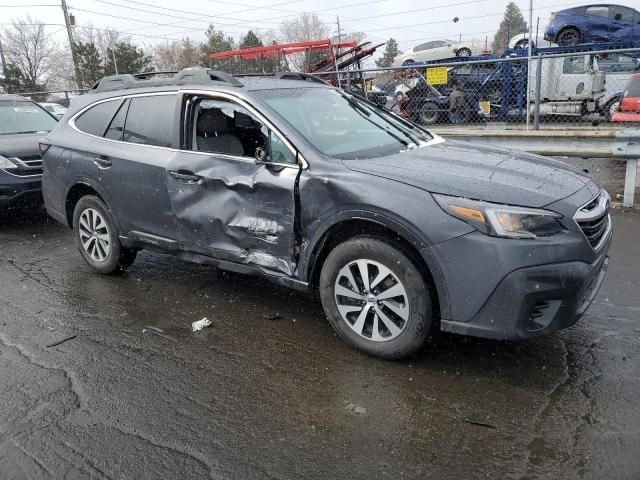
x: 22, y: 116
x: 343, y: 126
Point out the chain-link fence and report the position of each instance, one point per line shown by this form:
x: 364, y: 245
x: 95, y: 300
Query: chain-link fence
x: 568, y: 90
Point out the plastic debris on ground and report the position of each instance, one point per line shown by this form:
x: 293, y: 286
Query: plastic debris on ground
x: 200, y: 324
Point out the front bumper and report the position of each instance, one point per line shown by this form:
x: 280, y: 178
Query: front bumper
x: 514, y: 289
x: 535, y: 301
x: 19, y: 190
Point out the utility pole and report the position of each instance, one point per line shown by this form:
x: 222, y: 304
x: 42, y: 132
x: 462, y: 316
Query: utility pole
x: 4, y: 66
x: 71, y: 43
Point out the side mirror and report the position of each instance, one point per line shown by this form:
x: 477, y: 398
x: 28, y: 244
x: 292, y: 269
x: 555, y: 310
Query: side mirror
x: 260, y: 155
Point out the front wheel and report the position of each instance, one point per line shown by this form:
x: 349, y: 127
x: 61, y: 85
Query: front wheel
x: 375, y: 298
x: 429, y: 113
x: 568, y: 37
x: 97, y: 237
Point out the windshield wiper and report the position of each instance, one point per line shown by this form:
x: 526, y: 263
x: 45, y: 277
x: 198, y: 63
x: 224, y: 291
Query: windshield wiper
x: 363, y: 111
x: 413, y: 138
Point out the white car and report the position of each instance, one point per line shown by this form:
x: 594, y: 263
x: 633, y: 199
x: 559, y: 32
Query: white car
x: 436, y: 50
x: 55, y: 109
x: 521, y: 41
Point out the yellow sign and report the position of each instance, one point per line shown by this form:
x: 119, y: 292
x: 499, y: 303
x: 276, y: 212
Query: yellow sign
x: 437, y: 76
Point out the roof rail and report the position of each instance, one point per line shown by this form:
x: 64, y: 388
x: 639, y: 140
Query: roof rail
x: 298, y: 76
x: 194, y: 75
x: 287, y: 76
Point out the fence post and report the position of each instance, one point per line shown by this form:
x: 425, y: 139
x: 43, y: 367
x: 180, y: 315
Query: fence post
x: 348, y: 79
x: 536, y: 111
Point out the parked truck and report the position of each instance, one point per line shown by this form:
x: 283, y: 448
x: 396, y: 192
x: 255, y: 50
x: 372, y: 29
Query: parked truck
x: 578, y: 83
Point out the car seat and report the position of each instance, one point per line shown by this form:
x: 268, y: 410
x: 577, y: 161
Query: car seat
x: 213, y: 134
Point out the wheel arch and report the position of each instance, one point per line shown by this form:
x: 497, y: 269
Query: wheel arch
x: 344, y: 227
x: 78, y: 189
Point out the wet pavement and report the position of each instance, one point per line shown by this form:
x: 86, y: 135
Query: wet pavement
x: 268, y: 391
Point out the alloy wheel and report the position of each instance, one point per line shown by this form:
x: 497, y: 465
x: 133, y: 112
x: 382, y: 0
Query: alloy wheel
x: 372, y: 300
x: 94, y: 234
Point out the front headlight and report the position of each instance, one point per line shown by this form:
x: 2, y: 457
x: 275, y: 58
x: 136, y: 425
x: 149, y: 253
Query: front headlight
x: 6, y: 164
x: 502, y: 220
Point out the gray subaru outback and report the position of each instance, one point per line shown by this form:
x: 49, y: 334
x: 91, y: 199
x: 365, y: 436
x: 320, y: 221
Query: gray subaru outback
x: 402, y: 232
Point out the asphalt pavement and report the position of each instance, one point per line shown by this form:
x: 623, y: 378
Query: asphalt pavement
x: 102, y: 377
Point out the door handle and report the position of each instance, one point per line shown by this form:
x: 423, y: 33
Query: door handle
x: 102, y: 162
x: 185, y: 176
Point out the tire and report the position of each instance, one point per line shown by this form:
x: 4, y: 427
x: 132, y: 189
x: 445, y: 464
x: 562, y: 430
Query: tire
x: 610, y: 108
x: 523, y: 45
x: 401, y: 331
x: 463, y: 52
x: 429, y: 114
x: 569, y: 36
x: 97, y: 237
x: 407, y: 62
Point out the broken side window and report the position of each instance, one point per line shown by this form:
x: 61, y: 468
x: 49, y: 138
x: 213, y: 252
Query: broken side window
x: 225, y: 127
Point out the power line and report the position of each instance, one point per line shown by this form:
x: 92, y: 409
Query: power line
x: 31, y: 5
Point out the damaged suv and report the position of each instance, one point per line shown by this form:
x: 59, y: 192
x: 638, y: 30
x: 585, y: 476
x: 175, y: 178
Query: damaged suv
x: 402, y: 232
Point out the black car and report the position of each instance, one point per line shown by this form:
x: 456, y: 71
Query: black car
x: 402, y: 232
x: 22, y: 124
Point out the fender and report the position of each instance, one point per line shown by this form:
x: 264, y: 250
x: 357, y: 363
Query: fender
x: 408, y: 233
x: 89, y: 182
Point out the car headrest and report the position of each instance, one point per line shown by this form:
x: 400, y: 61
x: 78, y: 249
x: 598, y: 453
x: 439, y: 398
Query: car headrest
x: 213, y: 120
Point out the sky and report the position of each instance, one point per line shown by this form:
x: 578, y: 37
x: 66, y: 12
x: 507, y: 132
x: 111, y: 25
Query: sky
x: 410, y: 22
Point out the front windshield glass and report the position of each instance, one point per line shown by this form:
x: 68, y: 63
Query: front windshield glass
x: 344, y: 126
x: 22, y: 116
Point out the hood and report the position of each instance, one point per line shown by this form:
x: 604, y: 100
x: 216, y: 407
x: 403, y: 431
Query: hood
x: 20, y: 145
x: 479, y: 172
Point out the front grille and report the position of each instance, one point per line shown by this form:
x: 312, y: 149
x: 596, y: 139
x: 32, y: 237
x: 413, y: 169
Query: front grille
x: 28, y: 166
x: 593, y: 219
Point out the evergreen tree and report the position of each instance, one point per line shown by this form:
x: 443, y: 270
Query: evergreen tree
x: 217, y: 42
x: 129, y: 58
x: 251, y: 40
x: 13, y: 81
x: 90, y: 64
x: 389, y: 55
x: 513, y: 23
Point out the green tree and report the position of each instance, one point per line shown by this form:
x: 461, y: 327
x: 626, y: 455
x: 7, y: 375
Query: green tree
x: 129, y: 58
x: 389, y: 55
x: 90, y: 64
x: 513, y: 23
x: 217, y: 42
x: 251, y: 40
x: 13, y: 80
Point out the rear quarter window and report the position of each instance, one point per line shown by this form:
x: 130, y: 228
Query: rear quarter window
x: 96, y: 119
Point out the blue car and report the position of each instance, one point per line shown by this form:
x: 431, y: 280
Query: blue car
x: 593, y: 23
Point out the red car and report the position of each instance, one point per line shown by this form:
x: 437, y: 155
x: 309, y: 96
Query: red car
x: 629, y: 110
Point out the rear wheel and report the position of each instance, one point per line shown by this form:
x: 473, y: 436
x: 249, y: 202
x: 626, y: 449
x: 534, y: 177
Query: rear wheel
x: 97, y: 237
x: 524, y: 44
x: 376, y: 298
x: 407, y: 62
x: 569, y: 36
x: 611, y: 107
x: 463, y: 52
x: 429, y: 113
